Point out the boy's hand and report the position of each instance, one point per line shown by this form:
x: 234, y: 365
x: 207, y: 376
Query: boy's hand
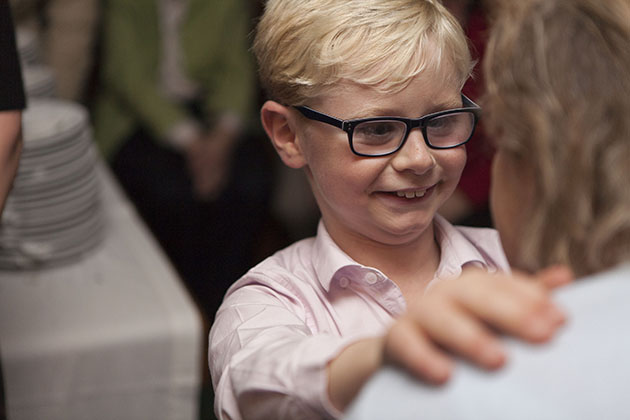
x: 461, y: 316
x: 554, y: 276
x: 458, y: 315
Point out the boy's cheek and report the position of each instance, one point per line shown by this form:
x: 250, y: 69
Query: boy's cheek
x: 453, y: 162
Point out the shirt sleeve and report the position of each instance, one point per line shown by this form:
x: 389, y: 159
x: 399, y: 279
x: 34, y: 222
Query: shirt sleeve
x: 265, y: 360
x: 11, y: 87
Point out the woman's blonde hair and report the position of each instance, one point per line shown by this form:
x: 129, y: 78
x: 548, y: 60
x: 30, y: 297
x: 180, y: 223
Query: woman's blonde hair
x: 306, y: 47
x: 558, y: 99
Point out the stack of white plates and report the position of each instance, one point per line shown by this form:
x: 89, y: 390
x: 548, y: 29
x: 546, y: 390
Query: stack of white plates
x: 28, y: 46
x: 53, y: 213
x: 39, y: 81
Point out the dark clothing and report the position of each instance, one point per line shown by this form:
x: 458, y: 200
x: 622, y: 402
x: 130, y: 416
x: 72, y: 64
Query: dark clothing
x: 213, y: 243
x: 11, y: 86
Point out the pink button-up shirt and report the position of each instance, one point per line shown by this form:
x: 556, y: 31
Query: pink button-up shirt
x: 284, y: 320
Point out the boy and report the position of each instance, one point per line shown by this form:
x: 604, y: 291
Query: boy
x: 299, y: 334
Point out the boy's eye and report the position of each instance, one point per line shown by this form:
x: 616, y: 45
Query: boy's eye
x: 379, y: 132
x: 450, y: 129
x: 442, y: 124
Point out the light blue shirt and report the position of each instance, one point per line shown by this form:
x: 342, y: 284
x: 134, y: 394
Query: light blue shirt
x: 584, y: 373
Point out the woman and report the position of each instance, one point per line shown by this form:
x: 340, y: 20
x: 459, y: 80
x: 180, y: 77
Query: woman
x: 557, y: 102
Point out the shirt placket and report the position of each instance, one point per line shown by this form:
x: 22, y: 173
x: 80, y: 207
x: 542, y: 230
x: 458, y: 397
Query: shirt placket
x: 384, y: 291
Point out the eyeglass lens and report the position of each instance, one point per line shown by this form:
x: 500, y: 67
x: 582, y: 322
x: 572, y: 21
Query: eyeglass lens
x: 385, y: 136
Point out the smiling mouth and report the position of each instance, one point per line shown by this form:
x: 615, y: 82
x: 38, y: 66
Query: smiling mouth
x: 411, y: 194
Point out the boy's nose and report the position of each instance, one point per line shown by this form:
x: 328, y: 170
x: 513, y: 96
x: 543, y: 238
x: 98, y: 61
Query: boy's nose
x: 415, y: 155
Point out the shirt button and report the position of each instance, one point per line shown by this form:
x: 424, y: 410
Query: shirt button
x: 344, y: 282
x: 371, y: 278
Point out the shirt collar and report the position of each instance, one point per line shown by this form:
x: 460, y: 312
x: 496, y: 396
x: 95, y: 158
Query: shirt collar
x: 456, y: 252
x: 328, y: 257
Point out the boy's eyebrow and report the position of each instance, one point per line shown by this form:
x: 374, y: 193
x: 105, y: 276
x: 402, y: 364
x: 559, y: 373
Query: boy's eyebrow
x: 389, y: 112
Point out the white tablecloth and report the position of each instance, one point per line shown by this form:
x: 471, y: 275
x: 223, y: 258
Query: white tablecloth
x: 111, y: 336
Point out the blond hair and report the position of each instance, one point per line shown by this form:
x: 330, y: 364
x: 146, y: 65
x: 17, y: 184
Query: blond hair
x: 558, y: 99
x: 306, y: 47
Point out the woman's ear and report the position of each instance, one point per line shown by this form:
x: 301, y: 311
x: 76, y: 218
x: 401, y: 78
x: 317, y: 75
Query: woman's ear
x: 280, y: 125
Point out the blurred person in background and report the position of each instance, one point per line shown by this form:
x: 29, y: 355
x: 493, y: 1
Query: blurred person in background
x: 173, y: 115
x: 557, y: 105
x: 12, y: 102
x: 469, y: 204
x: 66, y: 31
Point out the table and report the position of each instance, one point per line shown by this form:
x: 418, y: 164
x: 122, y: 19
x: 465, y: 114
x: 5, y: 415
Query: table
x: 113, y: 335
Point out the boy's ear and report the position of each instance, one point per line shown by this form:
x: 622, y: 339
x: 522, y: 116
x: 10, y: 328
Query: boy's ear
x: 280, y: 125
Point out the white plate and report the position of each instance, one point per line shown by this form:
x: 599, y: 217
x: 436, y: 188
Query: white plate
x: 56, y: 176
x: 34, y: 154
x: 67, y: 231
x: 39, y: 81
x: 55, y: 157
x: 28, y: 46
x: 48, y: 122
x: 50, y: 214
x: 35, y: 255
x: 52, y: 196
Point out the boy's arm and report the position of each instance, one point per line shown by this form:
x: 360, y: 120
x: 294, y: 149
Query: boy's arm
x: 455, y: 316
x: 265, y: 361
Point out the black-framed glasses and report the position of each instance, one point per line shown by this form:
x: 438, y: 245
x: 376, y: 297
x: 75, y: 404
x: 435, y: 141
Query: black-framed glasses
x: 382, y: 136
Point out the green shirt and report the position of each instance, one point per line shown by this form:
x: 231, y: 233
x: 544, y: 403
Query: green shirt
x: 214, y: 41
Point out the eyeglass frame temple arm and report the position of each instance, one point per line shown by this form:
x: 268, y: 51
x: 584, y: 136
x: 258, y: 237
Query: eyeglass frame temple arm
x: 325, y: 118
x: 347, y: 126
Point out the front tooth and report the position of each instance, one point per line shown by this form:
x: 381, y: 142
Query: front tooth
x: 410, y: 195
x: 420, y: 194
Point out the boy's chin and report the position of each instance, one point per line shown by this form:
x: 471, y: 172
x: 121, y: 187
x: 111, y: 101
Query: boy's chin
x: 403, y: 234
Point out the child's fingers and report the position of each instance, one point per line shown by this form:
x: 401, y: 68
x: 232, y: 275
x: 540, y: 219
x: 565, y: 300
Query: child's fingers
x: 407, y: 345
x: 555, y: 276
x: 516, y: 306
x: 455, y: 329
x: 513, y: 305
x: 456, y: 314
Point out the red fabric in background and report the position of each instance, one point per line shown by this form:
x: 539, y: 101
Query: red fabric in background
x: 475, y: 181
